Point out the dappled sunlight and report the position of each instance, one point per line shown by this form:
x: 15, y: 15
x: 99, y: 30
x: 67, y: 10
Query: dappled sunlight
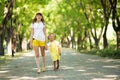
x: 48, y: 77
x: 67, y: 67
x: 5, y: 71
x: 81, y: 70
x: 13, y: 77
x: 22, y: 78
x: 72, y: 67
x: 88, y: 74
x: 102, y: 79
x: 31, y: 78
x: 70, y: 53
x: 109, y: 60
x: 112, y: 66
x: 74, y: 53
x: 34, y: 68
x: 51, y: 66
x: 30, y: 54
x: 111, y: 76
x: 94, y: 60
x: 112, y: 60
x: 91, y: 68
x: 26, y: 78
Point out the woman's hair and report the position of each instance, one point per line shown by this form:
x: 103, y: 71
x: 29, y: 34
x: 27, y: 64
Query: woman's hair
x: 35, y: 19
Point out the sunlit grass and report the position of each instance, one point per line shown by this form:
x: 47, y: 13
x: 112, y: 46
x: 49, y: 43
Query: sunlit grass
x: 109, y: 52
x: 7, y: 58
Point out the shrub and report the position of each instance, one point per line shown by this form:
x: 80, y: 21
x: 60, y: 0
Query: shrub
x: 109, y: 52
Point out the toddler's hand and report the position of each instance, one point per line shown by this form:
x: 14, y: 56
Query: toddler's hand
x: 46, y: 47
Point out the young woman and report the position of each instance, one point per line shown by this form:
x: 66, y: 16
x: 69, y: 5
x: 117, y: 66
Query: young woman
x: 55, y: 50
x: 38, y: 40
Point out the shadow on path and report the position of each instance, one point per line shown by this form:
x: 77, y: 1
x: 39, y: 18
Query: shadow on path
x: 74, y: 66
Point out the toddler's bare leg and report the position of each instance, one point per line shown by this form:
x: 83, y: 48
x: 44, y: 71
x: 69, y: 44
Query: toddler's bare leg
x: 57, y: 64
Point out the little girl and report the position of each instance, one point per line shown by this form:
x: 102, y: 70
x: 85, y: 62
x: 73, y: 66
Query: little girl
x: 55, y: 50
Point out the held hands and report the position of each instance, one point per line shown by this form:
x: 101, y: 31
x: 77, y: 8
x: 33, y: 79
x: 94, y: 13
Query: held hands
x: 60, y: 54
x: 31, y: 46
x: 46, y: 47
x: 59, y: 51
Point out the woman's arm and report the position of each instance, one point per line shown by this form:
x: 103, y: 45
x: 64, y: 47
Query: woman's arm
x: 44, y: 30
x: 31, y: 36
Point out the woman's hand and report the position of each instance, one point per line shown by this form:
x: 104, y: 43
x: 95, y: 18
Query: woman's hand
x: 46, y: 47
x: 31, y: 46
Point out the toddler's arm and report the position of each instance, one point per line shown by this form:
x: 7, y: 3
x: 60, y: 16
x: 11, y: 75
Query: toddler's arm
x: 59, y: 49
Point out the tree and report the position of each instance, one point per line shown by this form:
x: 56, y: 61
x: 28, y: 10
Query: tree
x: 94, y: 20
x: 115, y: 20
x: 8, y: 8
x: 107, y: 11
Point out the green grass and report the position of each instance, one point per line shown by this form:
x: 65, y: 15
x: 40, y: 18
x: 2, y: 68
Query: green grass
x: 109, y: 52
x: 7, y: 58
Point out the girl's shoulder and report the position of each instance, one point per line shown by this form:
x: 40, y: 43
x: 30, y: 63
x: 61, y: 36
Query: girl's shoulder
x: 43, y: 23
x: 57, y: 42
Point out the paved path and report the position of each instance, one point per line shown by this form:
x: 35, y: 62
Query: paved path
x: 74, y: 66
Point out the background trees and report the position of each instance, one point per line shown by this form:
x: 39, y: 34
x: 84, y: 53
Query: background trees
x: 81, y: 24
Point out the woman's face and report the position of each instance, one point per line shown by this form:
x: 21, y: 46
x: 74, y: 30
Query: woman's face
x: 38, y: 17
x: 51, y: 37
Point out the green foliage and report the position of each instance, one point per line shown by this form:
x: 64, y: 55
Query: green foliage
x: 23, y: 13
x: 42, y: 2
x: 5, y: 59
x: 92, y: 52
x: 62, y: 17
x: 109, y: 52
x: 1, y: 10
x: 112, y: 53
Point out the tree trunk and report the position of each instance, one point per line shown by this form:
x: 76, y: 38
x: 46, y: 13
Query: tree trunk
x: 1, y: 45
x: 97, y: 43
x: 115, y: 21
x: 118, y: 39
x: 78, y: 41
x: 107, y: 11
x: 96, y: 40
x: 105, y: 42
x: 7, y: 17
x: 19, y: 43
x: 72, y: 35
x: 90, y: 41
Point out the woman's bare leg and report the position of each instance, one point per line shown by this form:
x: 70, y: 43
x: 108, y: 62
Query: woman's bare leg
x: 37, y: 56
x: 43, y: 56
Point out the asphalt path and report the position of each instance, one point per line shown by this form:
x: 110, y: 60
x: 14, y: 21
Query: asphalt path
x: 73, y: 66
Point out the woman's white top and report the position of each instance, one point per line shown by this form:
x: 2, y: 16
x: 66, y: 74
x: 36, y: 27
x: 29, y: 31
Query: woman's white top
x: 38, y: 31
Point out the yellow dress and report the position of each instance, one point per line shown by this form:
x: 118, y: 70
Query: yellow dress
x: 54, y: 50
